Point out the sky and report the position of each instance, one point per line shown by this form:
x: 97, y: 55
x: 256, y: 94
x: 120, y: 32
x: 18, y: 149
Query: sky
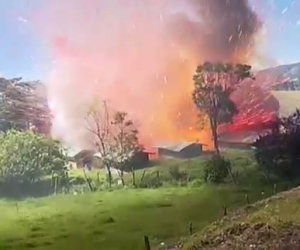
x: 24, y: 53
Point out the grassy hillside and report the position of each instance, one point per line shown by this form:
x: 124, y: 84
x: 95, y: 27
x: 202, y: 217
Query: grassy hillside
x: 119, y: 219
x: 269, y: 224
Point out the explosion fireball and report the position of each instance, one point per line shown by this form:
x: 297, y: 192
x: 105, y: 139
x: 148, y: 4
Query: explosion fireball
x: 140, y: 56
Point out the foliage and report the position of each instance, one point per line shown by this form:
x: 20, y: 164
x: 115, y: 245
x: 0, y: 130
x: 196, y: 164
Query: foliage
x: 23, y: 106
x: 278, y: 152
x: 177, y: 174
x: 214, y: 84
x: 25, y: 157
x: 151, y: 181
x: 125, y: 144
x: 216, y: 169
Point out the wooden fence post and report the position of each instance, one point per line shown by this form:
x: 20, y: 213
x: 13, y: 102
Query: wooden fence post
x: 98, y: 178
x: 275, y: 189
x: 191, y: 228
x: 147, y: 243
x: 247, y: 199
x: 55, y: 184
x: 225, y: 210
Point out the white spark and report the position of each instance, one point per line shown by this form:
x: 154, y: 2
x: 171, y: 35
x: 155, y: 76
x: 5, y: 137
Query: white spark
x: 23, y: 20
x: 284, y: 10
x: 165, y: 79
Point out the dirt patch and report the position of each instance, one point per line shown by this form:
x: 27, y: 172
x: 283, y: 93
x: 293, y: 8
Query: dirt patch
x: 257, y: 236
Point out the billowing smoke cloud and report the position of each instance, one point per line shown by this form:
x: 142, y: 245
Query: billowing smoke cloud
x: 140, y: 55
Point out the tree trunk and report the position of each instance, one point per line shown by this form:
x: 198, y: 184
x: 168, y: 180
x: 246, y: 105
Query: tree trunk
x: 122, y: 177
x: 109, y: 176
x: 214, y: 130
x: 142, y: 178
x: 133, y: 177
x: 55, y: 185
x: 88, y: 180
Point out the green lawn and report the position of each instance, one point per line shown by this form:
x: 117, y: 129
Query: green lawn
x: 113, y: 220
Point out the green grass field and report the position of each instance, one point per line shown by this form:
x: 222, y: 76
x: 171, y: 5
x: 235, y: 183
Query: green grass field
x: 119, y: 219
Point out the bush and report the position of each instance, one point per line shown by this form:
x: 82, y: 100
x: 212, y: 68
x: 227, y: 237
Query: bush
x: 151, y: 180
x: 216, y: 169
x: 176, y: 174
x: 196, y: 183
x: 273, y: 154
x: 278, y: 153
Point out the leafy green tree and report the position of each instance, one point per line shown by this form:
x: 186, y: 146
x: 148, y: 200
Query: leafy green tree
x: 125, y: 144
x: 25, y: 157
x: 214, y: 84
x: 23, y: 106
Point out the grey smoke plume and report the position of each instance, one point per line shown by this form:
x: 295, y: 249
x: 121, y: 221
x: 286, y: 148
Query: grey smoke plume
x: 224, y: 30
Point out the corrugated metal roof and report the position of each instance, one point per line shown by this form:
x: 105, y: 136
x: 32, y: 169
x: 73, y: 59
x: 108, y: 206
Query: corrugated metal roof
x: 71, y: 152
x: 176, y: 146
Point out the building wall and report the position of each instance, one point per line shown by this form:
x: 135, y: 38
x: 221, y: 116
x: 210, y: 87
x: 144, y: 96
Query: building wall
x: 72, y: 165
x: 140, y: 160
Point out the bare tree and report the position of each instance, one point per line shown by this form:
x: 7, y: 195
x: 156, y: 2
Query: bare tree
x: 99, y: 125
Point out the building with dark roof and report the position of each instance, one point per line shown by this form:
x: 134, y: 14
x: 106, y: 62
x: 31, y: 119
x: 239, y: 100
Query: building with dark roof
x: 182, y: 150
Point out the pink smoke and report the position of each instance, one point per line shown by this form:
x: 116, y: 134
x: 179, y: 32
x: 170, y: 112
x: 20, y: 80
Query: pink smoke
x: 139, y: 55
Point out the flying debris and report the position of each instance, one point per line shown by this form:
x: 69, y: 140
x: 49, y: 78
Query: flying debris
x: 23, y: 20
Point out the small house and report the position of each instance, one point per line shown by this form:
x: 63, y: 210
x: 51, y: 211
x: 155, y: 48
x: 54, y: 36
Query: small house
x: 182, y: 150
x: 72, y: 165
x: 82, y: 158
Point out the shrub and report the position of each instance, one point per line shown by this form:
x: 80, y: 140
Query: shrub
x: 273, y: 154
x: 279, y: 151
x: 196, y: 183
x: 216, y: 169
x: 151, y: 181
x: 176, y: 174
